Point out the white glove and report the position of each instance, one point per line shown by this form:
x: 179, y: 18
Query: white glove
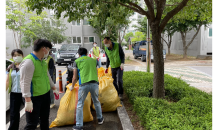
x: 122, y: 66
x: 70, y: 67
x: 71, y: 88
x: 29, y: 106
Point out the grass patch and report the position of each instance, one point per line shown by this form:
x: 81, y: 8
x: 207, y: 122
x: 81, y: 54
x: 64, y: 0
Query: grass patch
x: 184, y: 107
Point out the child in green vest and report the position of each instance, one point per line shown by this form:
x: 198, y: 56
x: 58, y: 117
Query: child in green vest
x: 85, y: 67
x: 13, y: 84
x: 96, y: 54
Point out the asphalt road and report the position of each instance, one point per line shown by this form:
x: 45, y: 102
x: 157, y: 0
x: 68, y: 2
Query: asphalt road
x: 111, y: 118
x: 204, y: 69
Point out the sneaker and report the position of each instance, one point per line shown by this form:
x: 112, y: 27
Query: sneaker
x: 52, y: 105
x: 38, y: 125
x: 121, y: 97
x: 100, y: 121
x: 77, y: 128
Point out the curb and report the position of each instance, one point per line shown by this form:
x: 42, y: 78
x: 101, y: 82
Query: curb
x: 124, y: 118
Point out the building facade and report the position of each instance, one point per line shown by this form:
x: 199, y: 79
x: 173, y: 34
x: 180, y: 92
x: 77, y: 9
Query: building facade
x: 80, y: 31
x: 202, y: 44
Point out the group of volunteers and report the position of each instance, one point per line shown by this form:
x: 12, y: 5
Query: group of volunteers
x: 32, y: 78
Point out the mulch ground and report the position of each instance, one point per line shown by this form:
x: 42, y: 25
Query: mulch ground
x: 132, y: 115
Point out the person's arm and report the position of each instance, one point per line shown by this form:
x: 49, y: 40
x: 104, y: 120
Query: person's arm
x: 51, y: 67
x: 99, y: 52
x: 75, y: 76
x: 52, y: 85
x: 26, y: 74
x: 92, y: 53
x: 107, y: 61
x: 122, y: 55
x: 7, y: 78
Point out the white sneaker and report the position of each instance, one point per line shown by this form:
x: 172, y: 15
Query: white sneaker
x: 52, y: 105
x: 38, y: 125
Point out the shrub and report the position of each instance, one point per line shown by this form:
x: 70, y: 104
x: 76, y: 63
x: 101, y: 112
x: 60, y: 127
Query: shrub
x: 184, y: 107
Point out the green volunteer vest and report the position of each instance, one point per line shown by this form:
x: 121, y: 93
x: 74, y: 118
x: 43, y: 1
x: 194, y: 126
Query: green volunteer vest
x: 114, y: 56
x: 87, y: 69
x: 48, y: 59
x: 10, y: 81
x: 12, y: 59
x: 40, y: 81
x: 96, y: 52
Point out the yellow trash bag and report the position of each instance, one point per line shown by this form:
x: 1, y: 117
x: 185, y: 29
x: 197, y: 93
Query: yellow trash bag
x: 67, y: 110
x: 108, y: 96
x: 101, y: 72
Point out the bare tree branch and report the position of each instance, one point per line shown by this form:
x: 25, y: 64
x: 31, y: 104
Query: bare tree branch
x: 165, y: 41
x: 150, y: 9
x: 194, y: 35
x: 134, y: 9
x: 172, y: 13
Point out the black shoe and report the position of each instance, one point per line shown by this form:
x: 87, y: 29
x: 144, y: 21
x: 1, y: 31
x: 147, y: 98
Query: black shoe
x: 77, y: 128
x: 100, y: 121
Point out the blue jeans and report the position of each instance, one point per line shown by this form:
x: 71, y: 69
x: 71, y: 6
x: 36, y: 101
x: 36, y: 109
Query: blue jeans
x: 83, y: 91
x: 99, y: 63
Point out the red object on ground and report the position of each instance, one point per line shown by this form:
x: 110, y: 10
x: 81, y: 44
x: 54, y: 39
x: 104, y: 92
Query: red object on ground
x: 60, y: 82
x: 90, y: 55
x: 103, y: 55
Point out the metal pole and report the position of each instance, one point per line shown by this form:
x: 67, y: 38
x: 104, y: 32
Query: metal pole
x: 148, y: 54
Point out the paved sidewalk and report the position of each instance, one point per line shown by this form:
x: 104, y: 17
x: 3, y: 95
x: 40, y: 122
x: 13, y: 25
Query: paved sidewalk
x: 193, y: 77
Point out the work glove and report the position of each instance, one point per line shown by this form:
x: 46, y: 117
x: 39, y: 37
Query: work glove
x: 29, y: 106
x: 56, y: 94
x: 71, y: 88
x: 106, y: 71
x: 122, y: 66
x: 70, y: 68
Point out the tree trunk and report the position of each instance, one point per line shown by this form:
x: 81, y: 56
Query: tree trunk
x: 158, y: 81
x: 183, y: 35
x: 168, y: 50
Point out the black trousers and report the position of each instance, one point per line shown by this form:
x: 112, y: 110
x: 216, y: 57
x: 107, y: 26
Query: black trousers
x: 15, y: 103
x: 117, y: 75
x: 40, y: 113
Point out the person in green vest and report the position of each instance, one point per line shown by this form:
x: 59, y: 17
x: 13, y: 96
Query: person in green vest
x: 96, y: 54
x: 115, y: 58
x: 35, y: 83
x: 52, y: 71
x: 13, y: 87
x: 86, y: 68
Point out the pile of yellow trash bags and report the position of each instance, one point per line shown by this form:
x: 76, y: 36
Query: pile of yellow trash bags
x: 108, y: 98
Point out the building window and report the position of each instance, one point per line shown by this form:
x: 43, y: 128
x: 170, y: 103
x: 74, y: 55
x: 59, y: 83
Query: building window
x: 85, y: 22
x: 89, y: 39
x: 76, y: 39
x: 210, y: 32
x: 76, y: 23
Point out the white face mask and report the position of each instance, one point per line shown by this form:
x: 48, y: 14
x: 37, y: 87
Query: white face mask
x: 18, y: 59
x: 95, y: 45
x: 46, y: 55
x: 107, y: 45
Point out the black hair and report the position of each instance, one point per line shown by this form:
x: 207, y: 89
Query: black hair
x: 16, y: 50
x: 108, y: 38
x: 39, y: 43
x: 82, y: 51
x: 94, y: 42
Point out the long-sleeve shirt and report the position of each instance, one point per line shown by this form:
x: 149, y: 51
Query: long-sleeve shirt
x: 121, y: 53
x: 26, y: 73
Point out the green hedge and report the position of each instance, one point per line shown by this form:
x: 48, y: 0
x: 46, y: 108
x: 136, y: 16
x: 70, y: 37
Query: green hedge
x: 184, y: 107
